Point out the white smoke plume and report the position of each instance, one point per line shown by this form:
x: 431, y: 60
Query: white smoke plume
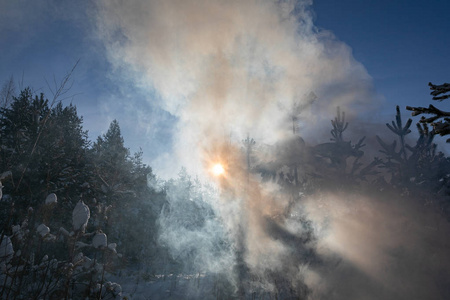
x: 378, y: 248
x: 232, y: 68
x: 229, y: 69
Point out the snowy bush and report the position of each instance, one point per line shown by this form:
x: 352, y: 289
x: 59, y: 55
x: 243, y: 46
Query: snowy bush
x: 51, y: 198
x: 80, y: 216
x: 32, y: 268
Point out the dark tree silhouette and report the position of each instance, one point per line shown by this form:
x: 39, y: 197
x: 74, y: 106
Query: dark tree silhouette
x: 414, y: 167
x: 440, y: 119
x: 43, y: 147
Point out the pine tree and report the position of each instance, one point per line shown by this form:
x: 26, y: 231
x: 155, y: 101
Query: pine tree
x: 20, y: 125
x: 440, y: 119
x: 120, y: 180
x: 419, y: 167
x: 111, y: 160
x: 44, y: 148
x: 63, y: 158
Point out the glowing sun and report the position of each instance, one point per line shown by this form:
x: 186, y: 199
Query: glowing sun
x: 218, y: 169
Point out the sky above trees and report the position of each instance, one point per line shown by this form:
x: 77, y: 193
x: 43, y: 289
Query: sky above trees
x: 403, y: 45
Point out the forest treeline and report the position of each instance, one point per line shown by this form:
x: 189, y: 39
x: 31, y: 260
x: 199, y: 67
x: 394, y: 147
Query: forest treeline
x: 44, y: 150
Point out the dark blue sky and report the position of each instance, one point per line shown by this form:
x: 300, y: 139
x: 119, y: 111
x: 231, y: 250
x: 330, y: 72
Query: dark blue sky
x: 402, y: 44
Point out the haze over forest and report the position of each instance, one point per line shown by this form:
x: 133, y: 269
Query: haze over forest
x: 270, y: 165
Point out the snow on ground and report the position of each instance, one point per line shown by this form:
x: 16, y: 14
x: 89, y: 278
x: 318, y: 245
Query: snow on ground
x: 171, y: 286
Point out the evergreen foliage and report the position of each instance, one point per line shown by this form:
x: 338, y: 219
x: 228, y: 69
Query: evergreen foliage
x: 111, y: 160
x: 440, y: 119
x: 47, y: 151
x: 44, y: 150
x: 419, y: 168
x: 120, y: 180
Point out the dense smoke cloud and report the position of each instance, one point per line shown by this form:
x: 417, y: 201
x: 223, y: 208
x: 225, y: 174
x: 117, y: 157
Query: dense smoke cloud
x: 232, y: 68
x: 374, y: 248
x: 229, y: 69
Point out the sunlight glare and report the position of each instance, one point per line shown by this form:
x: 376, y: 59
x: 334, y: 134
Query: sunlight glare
x: 218, y: 169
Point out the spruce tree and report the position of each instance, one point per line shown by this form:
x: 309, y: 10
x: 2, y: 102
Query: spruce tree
x: 120, y: 182
x: 111, y: 162
x: 44, y: 148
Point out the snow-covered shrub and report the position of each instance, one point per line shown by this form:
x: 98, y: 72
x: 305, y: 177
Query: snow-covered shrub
x: 31, y: 269
x: 51, y: 198
x: 80, y: 216
x: 99, y: 240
